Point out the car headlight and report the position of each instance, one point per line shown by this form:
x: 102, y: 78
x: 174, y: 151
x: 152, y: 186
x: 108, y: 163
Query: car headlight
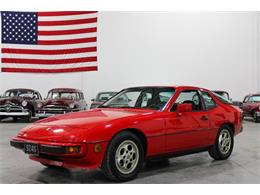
x: 71, y: 105
x: 24, y: 103
x: 39, y: 105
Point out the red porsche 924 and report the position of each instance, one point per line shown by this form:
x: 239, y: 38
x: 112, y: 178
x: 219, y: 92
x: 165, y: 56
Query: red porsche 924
x: 136, y: 125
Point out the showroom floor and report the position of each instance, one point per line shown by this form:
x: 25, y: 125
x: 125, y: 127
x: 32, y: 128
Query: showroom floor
x: 242, y: 167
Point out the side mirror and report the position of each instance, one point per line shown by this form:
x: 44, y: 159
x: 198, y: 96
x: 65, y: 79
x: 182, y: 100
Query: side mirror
x: 186, y: 107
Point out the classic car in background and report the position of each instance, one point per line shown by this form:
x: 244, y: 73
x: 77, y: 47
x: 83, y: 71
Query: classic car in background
x: 61, y: 101
x: 19, y: 103
x: 101, y: 98
x: 135, y: 125
x: 251, y: 106
x: 226, y: 95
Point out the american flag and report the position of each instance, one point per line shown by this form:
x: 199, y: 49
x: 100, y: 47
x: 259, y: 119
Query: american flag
x: 48, y: 42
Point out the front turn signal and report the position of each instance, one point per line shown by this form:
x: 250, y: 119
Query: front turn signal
x: 72, y: 149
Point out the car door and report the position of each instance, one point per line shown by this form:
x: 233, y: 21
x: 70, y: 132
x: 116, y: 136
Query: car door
x: 247, y: 105
x: 188, y: 129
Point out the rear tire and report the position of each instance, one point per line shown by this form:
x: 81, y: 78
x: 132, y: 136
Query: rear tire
x: 256, y: 118
x: 124, y: 157
x: 224, y: 143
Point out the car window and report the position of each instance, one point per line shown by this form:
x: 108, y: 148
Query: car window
x: 222, y: 99
x: 189, y: 96
x: 254, y: 98
x: 208, y: 100
x: 102, y: 97
x: 152, y: 98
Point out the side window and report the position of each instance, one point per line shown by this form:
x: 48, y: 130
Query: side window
x: 250, y: 99
x: 146, y: 98
x: 208, y: 100
x: 191, y: 97
x: 82, y: 96
x: 246, y: 99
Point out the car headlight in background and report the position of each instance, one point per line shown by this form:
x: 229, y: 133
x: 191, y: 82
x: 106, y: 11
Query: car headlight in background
x: 39, y: 105
x: 24, y: 103
x: 71, y: 105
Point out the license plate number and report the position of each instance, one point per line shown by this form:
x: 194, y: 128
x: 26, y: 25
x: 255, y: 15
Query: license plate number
x: 30, y: 148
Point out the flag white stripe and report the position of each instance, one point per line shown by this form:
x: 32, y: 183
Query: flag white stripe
x: 49, y: 47
x: 60, y: 66
x: 67, y: 27
x: 65, y: 37
x: 49, y: 57
x: 68, y: 17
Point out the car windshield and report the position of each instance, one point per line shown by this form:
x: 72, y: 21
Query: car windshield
x: 62, y: 95
x: 222, y: 98
x: 104, y: 96
x: 153, y: 98
x: 19, y: 93
x: 254, y: 98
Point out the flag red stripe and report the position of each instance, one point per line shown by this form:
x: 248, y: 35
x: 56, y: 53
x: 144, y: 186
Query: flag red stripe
x: 30, y: 70
x: 67, y: 22
x: 68, y: 41
x: 49, y: 52
x: 65, y: 13
x: 68, y: 32
x: 49, y: 62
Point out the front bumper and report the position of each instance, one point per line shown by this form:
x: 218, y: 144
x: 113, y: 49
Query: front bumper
x: 53, y: 153
x: 9, y: 114
x: 48, y: 113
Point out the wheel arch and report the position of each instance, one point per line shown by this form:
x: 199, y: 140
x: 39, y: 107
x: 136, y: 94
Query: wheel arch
x: 138, y: 133
x: 231, y: 125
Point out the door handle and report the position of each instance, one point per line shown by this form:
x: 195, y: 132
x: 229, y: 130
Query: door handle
x: 204, y: 118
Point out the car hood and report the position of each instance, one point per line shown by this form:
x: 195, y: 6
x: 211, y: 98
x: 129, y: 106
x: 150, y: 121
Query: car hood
x: 11, y: 100
x: 70, y: 126
x: 57, y: 102
x: 255, y: 104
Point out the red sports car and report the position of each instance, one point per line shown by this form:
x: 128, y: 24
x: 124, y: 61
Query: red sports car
x: 136, y: 125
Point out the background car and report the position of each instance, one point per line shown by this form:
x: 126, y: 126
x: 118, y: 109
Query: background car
x: 226, y: 95
x: 19, y: 103
x: 61, y: 101
x: 157, y: 122
x: 101, y: 98
x: 251, y: 106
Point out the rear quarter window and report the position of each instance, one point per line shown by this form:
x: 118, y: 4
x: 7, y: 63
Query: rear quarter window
x: 208, y: 100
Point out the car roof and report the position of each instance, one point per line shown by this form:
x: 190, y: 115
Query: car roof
x: 107, y: 92
x: 22, y: 89
x: 65, y: 90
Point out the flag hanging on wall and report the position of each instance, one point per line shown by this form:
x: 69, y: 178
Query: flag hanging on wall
x: 48, y: 42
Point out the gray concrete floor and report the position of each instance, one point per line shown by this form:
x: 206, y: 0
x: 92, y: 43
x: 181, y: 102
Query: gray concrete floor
x: 242, y: 167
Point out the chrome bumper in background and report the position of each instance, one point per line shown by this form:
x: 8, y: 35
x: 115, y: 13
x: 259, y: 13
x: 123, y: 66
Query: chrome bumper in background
x: 14, y: 113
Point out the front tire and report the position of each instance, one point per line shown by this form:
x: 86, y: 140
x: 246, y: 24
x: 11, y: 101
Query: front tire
x: 256, y: 118
x: 124, y: 157
x: 29, y: 117
x: 224, y: 143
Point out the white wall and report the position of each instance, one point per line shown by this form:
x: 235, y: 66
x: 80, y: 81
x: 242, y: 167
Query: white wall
x: 207, y: 49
